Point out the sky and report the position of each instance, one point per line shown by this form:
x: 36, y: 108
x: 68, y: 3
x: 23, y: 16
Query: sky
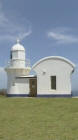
x: 44, y: 27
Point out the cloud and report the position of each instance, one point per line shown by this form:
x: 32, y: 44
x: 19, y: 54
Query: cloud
x: 62, y: 36
x: 21, y: 36
x: 3, y: 19
x: 11, y: 29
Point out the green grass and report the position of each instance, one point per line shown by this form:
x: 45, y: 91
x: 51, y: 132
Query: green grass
x: 38, y: 118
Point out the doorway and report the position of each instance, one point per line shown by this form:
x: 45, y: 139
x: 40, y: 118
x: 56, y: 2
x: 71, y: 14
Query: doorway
x: 33, y: 87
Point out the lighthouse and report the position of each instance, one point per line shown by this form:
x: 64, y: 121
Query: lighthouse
x: 17, y: 67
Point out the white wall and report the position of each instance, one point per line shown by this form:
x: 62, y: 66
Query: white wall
x: 23, y: 85
x: 50, y: 67
x: 18, y: 86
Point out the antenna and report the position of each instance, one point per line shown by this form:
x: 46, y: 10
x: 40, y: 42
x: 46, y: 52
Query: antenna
x: 18, y: 41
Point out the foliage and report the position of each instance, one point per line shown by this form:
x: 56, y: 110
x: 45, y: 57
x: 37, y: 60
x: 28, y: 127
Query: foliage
x: 3, y: 92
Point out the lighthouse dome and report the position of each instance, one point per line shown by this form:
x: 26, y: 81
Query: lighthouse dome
x: 18, y: 47
x: 17, y: 55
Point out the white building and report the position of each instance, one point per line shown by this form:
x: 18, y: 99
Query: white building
x: 53, y: 75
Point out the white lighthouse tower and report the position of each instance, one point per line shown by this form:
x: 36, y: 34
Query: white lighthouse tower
x: 17, y: 68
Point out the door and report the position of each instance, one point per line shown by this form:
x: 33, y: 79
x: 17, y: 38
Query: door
x: 33, y: 87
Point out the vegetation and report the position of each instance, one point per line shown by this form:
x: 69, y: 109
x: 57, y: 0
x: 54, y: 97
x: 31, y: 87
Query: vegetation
x: 3, y: 92
x: 38, y: 118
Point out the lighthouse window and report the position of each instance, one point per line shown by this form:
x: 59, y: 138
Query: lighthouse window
x: 11, y: 55
x: 15, y: 54
x: 53, y: 82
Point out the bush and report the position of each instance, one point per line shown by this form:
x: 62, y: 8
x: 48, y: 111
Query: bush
x: 3, y: 92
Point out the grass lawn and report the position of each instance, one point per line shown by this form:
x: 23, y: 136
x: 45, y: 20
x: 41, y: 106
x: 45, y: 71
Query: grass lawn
x: 38, y: 118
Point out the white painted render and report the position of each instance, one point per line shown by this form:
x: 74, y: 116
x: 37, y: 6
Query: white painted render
x: 23, y: 85
x: 17, y: 68
x: 18, y: 56
x: 18, y: 74
x: 54, y: 66
x: 17, y: 85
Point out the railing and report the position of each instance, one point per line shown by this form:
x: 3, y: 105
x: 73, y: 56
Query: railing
x: 27, y: 63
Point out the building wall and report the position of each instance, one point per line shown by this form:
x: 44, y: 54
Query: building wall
x: 23, y: 85
x: 50, y: 67
x: 19, y: 86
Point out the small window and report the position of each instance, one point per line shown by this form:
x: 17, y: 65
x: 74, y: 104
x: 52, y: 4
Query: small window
x: 15, y: 54
x: 53, y: 82
x: 33, y: 82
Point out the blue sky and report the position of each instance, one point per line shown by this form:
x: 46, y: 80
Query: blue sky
x: 45, y: 28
